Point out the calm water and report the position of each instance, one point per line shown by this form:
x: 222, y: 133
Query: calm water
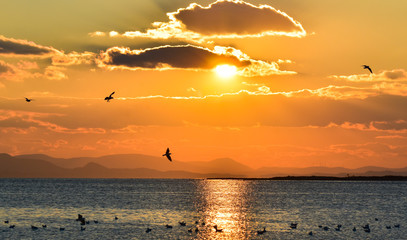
x: 240, y: 208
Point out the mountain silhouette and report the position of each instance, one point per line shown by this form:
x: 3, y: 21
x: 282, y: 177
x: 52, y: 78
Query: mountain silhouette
x: 133, y: 161
x: 26, y: 166
x: 145, y: 166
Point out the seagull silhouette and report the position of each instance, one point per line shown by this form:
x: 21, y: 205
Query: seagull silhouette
x: 110, y: 97
x: 368, y: 68
x: 168, y: 154
x: 28, y: 99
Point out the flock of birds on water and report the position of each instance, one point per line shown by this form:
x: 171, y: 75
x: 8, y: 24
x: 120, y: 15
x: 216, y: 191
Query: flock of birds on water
x: 366, y: 228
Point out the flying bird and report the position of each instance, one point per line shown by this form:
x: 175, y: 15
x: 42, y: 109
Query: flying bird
x: 168, y: 154
x: 368, y: 68
x: 110, y: 97
x: 28, y: 99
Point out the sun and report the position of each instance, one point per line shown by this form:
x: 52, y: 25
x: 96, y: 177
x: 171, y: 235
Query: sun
x: 226, y: 71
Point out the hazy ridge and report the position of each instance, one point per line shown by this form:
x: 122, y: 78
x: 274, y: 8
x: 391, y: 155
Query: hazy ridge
x: 145, y: 166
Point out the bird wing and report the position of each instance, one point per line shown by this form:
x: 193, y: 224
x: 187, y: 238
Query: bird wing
x: 111, y: 94
x: 169, y: 158
x: 370, y: 70
x: 168, y: 151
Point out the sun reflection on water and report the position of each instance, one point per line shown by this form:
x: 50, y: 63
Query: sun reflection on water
x: 225, y: 203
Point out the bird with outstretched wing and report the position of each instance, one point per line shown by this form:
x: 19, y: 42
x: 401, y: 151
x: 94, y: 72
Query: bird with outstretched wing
x: 368, y: 68
x: 168, y: 154
x: 110, y: 97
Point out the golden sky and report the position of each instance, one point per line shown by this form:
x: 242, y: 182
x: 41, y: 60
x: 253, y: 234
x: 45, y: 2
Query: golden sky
x: 267, y: 83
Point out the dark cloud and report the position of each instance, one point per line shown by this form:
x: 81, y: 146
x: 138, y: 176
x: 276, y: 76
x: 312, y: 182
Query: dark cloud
x: 4, y: 67
x: 390, y: 125
x: 235, y: 17
x: 395, y: 74
x: 10, y: 46
x: 187, y: 57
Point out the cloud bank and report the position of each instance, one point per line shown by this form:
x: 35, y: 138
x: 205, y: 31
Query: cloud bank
x: 185, y: 57
x: 228, y: 18
x: 383, y: 76
x: 18, y: 47
x: 221, y: 19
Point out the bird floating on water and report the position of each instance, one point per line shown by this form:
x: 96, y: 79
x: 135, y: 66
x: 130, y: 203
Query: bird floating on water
x: 217, y: 229
x: 168, y: 154
x: 368, y: 68
x: 148, y: 230
x: 28, y: 99
x: 262, y: 231
x: 109, y: 97
x: 80, y: 218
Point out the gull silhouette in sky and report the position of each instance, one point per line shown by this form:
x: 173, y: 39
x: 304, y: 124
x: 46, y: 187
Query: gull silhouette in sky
x: 368, y: 68
x: 110, y: 97
x: 168, y: 154
x: 28, y: 99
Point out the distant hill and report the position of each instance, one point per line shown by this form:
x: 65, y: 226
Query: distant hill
x: 19, y: 167
x: 16, y: 167
x: 133, y: 161
x: 145, y: 166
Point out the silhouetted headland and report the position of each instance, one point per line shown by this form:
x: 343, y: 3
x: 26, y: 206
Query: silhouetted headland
x: 325, y: 178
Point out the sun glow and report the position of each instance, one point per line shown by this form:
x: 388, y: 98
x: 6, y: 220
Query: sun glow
x: 226, y: 71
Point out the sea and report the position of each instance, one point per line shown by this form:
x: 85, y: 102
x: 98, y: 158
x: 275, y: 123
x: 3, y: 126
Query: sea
x: 126, y: 208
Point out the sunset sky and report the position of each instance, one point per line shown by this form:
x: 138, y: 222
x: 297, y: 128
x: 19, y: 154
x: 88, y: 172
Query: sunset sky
x: 267, y: 83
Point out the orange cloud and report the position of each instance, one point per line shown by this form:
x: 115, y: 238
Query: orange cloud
x: 392, y: 137
x: 186, y: 57
x: 74, y: 58
x: 17, y: 72
x: 383, y: 76
x: 392, y: 127
x: 220, y: 19
x: 23, y: 70
x: 371, y: 150
x: 24, y: 119
x: 55, y: 73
